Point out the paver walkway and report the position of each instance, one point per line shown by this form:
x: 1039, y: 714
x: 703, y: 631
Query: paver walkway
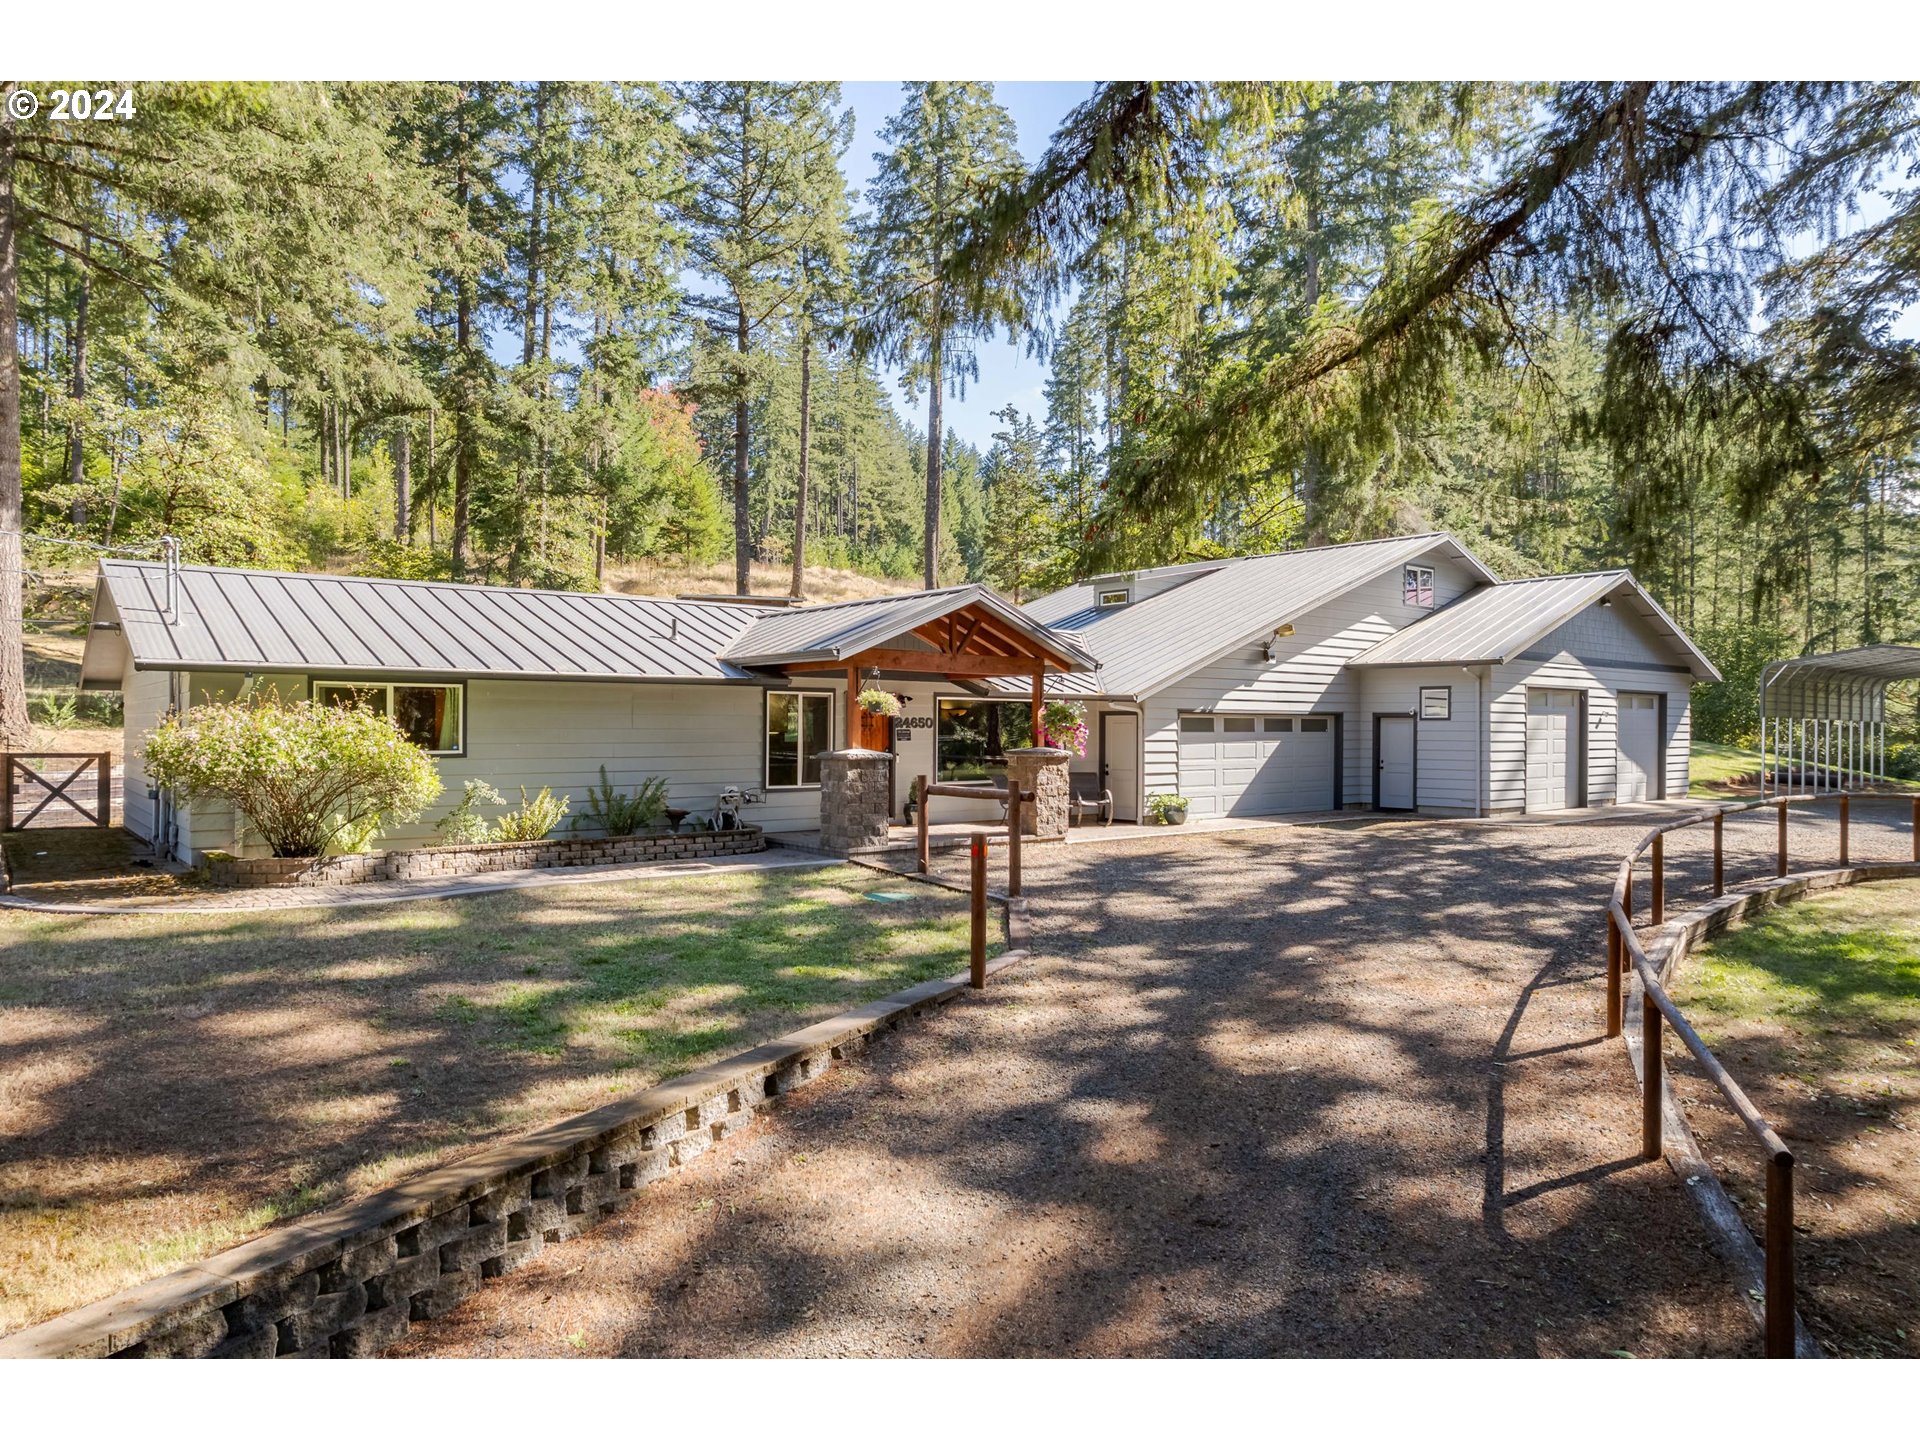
x: 1277, y: 1093
x: 390, y: 892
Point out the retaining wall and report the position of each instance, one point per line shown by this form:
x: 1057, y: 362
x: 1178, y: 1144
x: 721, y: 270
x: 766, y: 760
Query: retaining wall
x: 444, y: 860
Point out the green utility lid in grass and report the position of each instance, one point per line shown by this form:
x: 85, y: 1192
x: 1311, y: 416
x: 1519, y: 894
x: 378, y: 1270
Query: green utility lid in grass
x: 888, y: 897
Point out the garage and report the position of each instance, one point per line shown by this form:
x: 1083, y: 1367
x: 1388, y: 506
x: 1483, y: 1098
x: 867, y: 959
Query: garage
x: 1257, y: 764
x: 1553, y: 750
x: 1639, y: 740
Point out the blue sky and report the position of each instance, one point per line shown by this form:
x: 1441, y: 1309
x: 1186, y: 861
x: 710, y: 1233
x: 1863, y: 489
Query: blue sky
x: 1007, y: 373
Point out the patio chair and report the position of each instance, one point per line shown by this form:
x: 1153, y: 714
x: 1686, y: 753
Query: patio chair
x: 1090, y: 797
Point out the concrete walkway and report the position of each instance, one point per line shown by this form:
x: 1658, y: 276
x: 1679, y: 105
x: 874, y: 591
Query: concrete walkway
x: 394, y: 892
x: 1329, y: 1092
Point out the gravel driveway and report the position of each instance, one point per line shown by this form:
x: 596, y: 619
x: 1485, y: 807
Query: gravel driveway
x: 1284, y: 1092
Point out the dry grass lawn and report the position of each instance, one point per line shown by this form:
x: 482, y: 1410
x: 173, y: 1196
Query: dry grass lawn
x: 171, y: 1084
x: 823, y: 585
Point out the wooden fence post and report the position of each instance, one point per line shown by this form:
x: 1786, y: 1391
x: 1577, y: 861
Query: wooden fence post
x: 1780, y: 857
x: 1916, y: 829
x: 1779, y: 1297
x: 1614, y: 978
x: 1013, y: 838
x: 6, y: 797
x: 920, y: 816
x: 1659, y: 880
x: 978, y: 978
x: 106, y: 788
x: 1845, y: 802
x: 1719, y: 854
x: 1626, y: 893
x: 1652, y: 1141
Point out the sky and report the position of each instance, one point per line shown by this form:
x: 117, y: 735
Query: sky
x: 1008, y: 375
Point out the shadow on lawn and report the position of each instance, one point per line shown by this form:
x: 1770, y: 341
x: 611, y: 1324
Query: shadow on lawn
x: 1369, y: 1112
x: 260, y: 1059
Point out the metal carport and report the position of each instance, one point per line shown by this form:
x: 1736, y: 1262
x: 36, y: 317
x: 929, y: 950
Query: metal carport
x: 1823, y: 718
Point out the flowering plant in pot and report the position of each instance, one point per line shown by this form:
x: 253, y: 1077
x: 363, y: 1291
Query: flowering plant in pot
x: 1167, y: 809
x: 879, y: 702
x: 1064, y: 724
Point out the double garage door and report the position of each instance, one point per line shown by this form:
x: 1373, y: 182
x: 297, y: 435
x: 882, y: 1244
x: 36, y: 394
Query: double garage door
x: 1256, y: 764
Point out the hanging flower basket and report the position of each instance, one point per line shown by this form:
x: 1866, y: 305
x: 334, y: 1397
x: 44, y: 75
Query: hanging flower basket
x: 879, y: 702
x: 1064, y: 724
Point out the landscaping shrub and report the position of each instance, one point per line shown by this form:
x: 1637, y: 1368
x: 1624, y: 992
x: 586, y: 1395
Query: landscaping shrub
x: 621, y: 814
x: 308, y: 777
x: 535, y: 818
x: 462, y: 825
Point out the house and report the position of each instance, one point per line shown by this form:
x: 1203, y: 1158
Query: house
x: 1391, y: 674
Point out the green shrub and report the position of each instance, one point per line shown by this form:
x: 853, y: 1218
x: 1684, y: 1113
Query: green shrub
x: 621, y: 814
x: 308, y: 777
x: 463, y: 825
x: 1159, y: 805
x: 535, y: 818
x: 59, y: 711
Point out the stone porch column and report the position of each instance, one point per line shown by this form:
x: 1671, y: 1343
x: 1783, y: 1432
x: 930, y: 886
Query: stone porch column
x: 855, y: 800
x: 1044, y: 772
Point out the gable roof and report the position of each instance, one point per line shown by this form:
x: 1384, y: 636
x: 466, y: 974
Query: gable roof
x: 1499, y: 623
x: 1150, y: 643
x: 238, y: 620
x: 835, y: 632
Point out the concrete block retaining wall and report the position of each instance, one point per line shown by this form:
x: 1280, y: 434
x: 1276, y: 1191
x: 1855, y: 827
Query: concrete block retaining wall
x: 446, y: 860
x: 351, y: 1282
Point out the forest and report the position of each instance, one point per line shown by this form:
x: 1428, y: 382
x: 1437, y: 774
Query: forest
x: 527, y: 333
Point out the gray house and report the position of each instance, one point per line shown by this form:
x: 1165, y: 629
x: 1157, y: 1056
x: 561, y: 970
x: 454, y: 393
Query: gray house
x: 1393, y: 674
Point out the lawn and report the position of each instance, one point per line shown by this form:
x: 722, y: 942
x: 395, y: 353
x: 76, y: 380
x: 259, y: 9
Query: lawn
x: 1816, y: 1010
x: 170, y: 1084
x: 1731, y: 772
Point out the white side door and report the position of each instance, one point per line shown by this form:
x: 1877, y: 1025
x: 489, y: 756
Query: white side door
x: 1394, y: 764
x: 1120, y: 762
x: 1639, y: 739
x: 1553, y: 749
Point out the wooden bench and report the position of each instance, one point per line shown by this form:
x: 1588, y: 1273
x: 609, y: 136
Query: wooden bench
x: 1089, y: 796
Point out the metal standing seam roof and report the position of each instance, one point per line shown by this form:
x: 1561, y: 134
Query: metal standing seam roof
x: 1498, y: 623
x: 834, y: 632
x: 1150, y: 643
x: 1866, y: 662
x: 237, y: 620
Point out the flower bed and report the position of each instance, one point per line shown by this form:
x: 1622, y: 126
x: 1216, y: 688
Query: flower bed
x: 445, y: 860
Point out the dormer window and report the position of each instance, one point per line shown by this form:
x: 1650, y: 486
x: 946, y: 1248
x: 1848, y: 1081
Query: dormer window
x: 1419, y: 587
x: 1110, y: 598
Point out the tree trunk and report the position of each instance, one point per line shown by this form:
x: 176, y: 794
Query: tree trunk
x: 1312, y: 503
x: 346, y: 453
x: 742, y: 540
x: 15, y: 728
x: 433, y: 487
x: 536, y: 180
x: 806, y: 445
x: 76, y: 430
x: 935, y: 444
x: 402, y: 481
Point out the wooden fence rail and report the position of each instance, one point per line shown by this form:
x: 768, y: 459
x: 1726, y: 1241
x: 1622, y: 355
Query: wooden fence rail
x: 17, y: 767
x: 1624, y: 953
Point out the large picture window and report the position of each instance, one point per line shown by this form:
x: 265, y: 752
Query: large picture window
x: 974, y: 736
x: 431, y: 716
x: 799, y: 727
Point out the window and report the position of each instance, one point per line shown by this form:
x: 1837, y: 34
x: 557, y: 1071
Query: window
x: 1109, y: 598
x: 431, y: 716
x: 799, y: 727
x: 1238, y: 725
x: 1419, y: 587
x: 1275, y: 726
x: 1197, y: 724
x: 1436, y: 702
x: 1313, y: 727
x: 973, y: 738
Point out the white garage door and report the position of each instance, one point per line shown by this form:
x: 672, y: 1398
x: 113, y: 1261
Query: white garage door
x: 1553, y: 749
x: 1256, y: 764
x: 1639, y: 747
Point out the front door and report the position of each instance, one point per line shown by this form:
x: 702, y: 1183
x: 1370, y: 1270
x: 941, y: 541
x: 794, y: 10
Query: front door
x: 876, y: 733
x: 1120, y: 761
x: 1394, y: 780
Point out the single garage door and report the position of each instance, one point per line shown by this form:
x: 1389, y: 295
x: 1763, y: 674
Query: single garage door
x: 1256, y: 764
x: 1553, y: 749
x: 1639, y: 747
